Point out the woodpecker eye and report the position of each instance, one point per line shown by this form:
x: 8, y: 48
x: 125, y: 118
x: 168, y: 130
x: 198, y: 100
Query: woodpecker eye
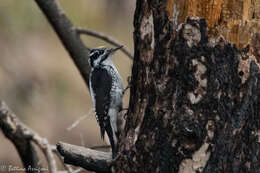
x: 101, y: 52
x: 95, y: 55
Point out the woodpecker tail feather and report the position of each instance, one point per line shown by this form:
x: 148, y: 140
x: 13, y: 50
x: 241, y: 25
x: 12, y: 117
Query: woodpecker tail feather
x: 102, y: 132
x: 111, y: 139
x: 103, y: 123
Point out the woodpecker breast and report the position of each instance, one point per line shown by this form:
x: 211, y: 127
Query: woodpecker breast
x: 106, y: 88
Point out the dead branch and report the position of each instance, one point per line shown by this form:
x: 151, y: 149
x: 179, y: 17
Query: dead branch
x: 106, y: 38
x: 89, y: 159
x: 46, y: 149
x: 67, y: 34
x: 18, y: 134
x: 66, y: 166
x: 22, y: 137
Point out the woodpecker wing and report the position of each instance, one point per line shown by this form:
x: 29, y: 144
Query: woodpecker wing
x: 101, y: 82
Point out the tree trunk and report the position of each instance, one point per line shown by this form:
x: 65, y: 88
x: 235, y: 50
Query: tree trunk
x: 195, y: 100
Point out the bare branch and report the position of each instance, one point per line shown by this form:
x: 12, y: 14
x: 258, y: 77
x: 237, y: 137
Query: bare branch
x: 16, y: 132
x: 106, y: 38
x: 67, y: 34
x: 79, y: 119
x: 22, y: 136
x: 46, y: 149
x: 91, y: 160
x: 66, y: 166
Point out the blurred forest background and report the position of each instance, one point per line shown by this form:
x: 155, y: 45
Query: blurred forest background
x: 39, y: 81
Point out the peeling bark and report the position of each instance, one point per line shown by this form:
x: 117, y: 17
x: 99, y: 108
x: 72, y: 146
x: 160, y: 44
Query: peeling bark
x: 194, y: 101
x: 236, y: 20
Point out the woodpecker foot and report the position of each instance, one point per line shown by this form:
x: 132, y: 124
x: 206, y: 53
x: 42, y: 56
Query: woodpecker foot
x: 128, y: 84
x: 126, y: 89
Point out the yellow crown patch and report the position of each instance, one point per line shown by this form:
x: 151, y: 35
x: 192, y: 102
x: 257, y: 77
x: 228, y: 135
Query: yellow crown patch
x: 101, y: 47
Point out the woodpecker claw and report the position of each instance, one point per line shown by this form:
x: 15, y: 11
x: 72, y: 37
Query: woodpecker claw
x: 128, y: 84
x: 125, y: 89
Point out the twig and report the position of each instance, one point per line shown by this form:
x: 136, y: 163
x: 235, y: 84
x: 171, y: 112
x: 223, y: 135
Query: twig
x: 79, y: 119
x: 66, y: 166
x: 46, y: 149
x: 106, y: 38
x: 82, y: 139
x: 91, y: 160
x: 22, y: 136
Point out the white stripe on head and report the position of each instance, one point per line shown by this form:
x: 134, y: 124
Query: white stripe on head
x: 93, y: 53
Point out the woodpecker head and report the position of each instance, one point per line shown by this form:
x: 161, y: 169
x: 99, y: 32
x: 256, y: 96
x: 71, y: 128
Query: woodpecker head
x: 98, y: 56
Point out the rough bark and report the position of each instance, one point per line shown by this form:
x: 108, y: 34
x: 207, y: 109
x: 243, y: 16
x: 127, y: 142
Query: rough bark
x: 237, y: 20
x: 195, y: 100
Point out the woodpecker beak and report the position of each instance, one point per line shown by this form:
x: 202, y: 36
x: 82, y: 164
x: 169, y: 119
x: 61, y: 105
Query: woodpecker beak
x: 113, y: 50
x: 110, y: 52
